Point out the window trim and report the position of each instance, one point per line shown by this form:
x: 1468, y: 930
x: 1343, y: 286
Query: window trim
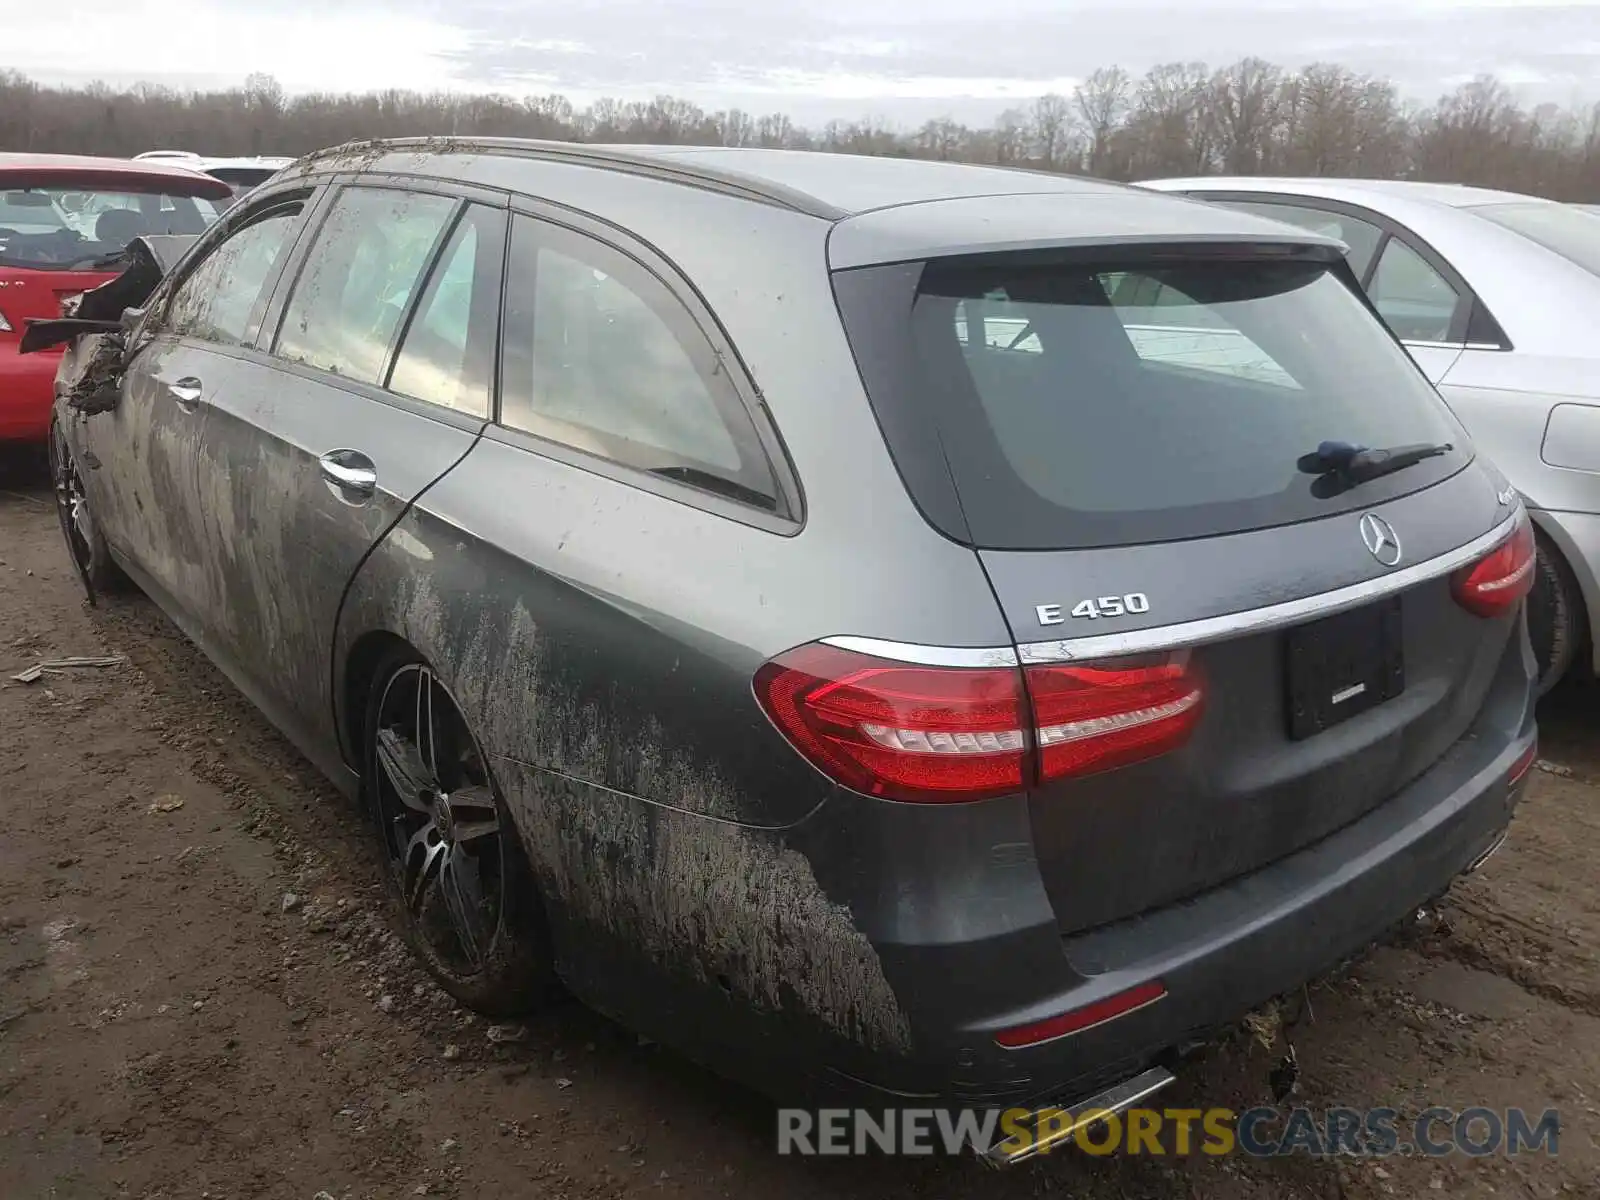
x: 789, y: 516
x: 1473, y: 327
x: 229, y: 225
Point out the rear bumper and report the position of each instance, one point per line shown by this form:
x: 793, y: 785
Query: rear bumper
x: 27, y: 390
x: 1217, y: 955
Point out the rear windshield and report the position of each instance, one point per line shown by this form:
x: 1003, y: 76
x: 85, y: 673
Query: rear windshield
x: 64, y: 228
x: 1091, y: 404
x: 1571, y: 233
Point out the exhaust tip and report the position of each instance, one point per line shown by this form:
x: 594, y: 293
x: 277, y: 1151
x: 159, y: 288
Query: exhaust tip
x: 1494, y: 848
x: 1045, y: 1128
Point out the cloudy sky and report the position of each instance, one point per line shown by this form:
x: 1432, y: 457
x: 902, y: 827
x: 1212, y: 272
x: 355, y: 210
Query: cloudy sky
x: 904, y: 60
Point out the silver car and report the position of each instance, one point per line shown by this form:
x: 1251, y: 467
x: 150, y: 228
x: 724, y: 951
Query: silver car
x: 1496, y: 295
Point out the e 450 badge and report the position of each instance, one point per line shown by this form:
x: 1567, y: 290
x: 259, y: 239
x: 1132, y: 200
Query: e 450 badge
x: 1102, y: 606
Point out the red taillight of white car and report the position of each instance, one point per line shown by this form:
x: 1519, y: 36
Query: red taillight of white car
x: 950, y: 734
x: 1497, y: 582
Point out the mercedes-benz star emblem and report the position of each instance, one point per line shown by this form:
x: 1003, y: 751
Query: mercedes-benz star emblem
x: 1382, y: 541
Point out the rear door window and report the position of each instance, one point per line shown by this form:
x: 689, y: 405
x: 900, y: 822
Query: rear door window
x: 447, y: 353
x: 358, y: 278
x: 1114, y: 403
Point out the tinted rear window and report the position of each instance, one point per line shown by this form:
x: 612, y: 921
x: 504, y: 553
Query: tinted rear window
x: 1091, y: 404
x: 61, y: 227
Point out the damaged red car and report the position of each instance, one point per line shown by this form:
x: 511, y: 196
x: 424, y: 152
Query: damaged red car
x: 65, y: 223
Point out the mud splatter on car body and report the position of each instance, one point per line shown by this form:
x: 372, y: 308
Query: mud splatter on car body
x: 636, y: 829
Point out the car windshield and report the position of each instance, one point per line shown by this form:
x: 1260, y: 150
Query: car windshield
x: 67, y: 228
x: 1571, y: 233
x: 1110, y: 403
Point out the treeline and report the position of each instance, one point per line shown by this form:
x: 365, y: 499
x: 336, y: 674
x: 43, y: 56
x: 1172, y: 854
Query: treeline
x: 1178, y: 119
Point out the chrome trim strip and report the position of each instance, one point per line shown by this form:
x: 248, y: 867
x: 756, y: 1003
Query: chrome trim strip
x: 1494, y: 848
x: 1052, y: 1126
x: 1273, y: 616
x: 1424, y: 345
x: 928, y: 656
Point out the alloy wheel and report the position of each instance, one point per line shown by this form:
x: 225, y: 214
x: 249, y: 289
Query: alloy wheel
x: 72, y: 505
x: 440, y: 821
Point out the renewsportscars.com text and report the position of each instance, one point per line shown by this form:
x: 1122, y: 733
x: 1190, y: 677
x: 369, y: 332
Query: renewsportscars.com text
x: 1258, y: 1132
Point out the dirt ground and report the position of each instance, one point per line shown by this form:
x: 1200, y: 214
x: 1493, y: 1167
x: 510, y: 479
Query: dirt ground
x: 174, y: 1024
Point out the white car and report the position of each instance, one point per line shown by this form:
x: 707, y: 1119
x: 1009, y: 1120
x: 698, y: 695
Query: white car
x: 1496, y: 295
x: 241, y: 174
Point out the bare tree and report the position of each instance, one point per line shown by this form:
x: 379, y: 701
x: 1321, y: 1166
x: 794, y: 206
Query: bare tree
x: 1054, y: 132
x: 1244, y: 107
x: 1179, y: 118
x: 940, y: 138
x: 1102, y: 101
x: 1170, y: 130
x: 1010, y: 137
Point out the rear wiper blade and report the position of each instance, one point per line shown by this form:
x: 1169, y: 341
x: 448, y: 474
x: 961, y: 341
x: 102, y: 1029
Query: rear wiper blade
x: 1344, y: 465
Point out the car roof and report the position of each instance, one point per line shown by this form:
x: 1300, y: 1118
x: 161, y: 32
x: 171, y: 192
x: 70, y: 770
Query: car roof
x: 1449, y: 195
x: 70, y: 169
x: 885, y: 209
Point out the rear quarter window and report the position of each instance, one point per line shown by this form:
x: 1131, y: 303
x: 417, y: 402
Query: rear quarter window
x: 599, y: 356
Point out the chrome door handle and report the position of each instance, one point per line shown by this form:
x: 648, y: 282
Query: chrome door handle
x: 350, y: 471
x: 187, y: 392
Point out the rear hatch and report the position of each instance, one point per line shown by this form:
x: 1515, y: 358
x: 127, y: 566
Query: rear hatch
x: 1237, y: 637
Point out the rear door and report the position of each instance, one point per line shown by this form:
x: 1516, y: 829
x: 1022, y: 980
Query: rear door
x: 371, y: 379
x: 1134, y: 443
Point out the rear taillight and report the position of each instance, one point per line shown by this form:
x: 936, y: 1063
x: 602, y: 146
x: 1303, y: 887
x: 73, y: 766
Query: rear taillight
x: 897, y: 731
x: 1096, y: 718
x: 1497, y: 582
x: 950, y: 734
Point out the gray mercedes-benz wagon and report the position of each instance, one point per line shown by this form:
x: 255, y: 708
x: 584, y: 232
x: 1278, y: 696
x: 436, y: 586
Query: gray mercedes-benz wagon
x: 882, y: 627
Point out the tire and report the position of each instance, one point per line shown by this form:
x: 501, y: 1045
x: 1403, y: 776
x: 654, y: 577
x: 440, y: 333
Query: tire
x: 86, y: 546
x: 1556, y: 622
x: 466, y: 898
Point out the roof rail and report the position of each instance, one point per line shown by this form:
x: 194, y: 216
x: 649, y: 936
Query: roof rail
x: 664, y: 166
